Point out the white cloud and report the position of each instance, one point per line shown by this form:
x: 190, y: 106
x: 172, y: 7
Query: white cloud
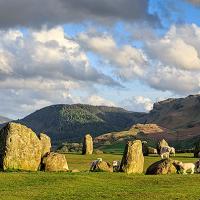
x: 138, y: 104
x: 99, y: 101
x: 127, y: 61
x: 175, y: 49
x: 43, y: 67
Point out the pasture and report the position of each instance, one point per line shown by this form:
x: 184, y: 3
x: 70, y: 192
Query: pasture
x: 96, y: 186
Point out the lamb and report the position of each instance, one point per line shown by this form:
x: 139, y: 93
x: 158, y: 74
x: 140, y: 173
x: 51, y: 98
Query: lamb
x: 116, y: 165
x: 94, y: 163
x: 187, y: 166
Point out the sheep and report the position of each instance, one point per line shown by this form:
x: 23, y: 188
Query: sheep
x: 116, y: 165
x: 94, y: 163
x: 166, y: 151
x: 187, y: 166
x: 172, y: 151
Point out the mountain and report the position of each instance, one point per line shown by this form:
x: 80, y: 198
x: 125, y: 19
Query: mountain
x: 4, y: 119
x: 179, y: 120
x: 181, y: 116
x: 72, y: 122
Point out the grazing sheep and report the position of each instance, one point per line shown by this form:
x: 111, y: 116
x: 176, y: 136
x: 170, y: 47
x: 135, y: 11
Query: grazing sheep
x: 172, y: 151
x: 164, y: 152
x: 94, y: 163
x: 116, y: 165
x: 187, y: 166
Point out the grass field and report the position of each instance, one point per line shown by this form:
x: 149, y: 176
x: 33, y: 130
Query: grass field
x: 94, y: 186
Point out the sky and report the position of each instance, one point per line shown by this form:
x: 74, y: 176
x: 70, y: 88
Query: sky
x: 125, y: 53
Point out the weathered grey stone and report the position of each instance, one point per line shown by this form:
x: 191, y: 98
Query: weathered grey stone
x: 54, y: 162
x: 161, y: 144
x: 165, y: 166
x: 133, y: 159
x: 45, y: 144
x: 20, y: 148
x: 102, y: 166
x: 87, y: 145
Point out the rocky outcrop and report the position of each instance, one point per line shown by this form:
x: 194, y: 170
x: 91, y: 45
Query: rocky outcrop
x: 87, y: 145
x: 133, y: 159
x: 54, y: 162
x: 161, y: 144
x: 45, y: 144
x: 165, y: 166
x: 102, y: 166
x: 20, y: 148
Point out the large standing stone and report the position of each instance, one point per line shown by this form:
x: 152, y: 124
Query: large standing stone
x: 133, y: 159
x: 145, y: 149
x: 197, y: 150
x: 54, y: 162
x: 161, y: 144
x: 45, y: 144
x: 87, y: 145
x: 165, y: 166
x: 20, y: 148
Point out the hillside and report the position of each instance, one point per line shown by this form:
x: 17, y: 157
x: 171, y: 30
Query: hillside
x: 181, y: 116
x: 4, y: 119
x: 178, y: 118
x: 71, y: 122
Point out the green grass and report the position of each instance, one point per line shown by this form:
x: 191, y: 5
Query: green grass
x: 97, y: 186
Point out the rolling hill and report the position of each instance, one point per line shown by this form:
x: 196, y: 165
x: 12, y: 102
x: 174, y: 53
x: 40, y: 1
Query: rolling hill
x: 71, y: 122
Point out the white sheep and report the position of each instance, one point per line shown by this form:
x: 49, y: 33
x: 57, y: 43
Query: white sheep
x: 172, y: 151
x: 94, y: 163
x: 116, y: 165
x: 187, y: 166
x: 166, y: 151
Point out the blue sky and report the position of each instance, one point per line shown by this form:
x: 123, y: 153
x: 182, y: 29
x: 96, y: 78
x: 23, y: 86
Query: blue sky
x: 127, y: 53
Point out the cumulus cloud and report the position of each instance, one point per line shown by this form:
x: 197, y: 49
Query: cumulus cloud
x: 138, y: 104
x: 127, y: 61
x: 54, y: 12
x: 43, y: 67
x: 174, y: 60
x: 99, y: 101
x: 177, y: 48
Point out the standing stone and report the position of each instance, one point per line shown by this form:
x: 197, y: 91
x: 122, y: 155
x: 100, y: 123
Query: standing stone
x: 20, y: 148
x: 197, y: 150
x: 145, y: 149
x: 87, y: 145
x: 54, y: 162
x: 133, y: 159
x: 161, y: 144
x: 45, y: 143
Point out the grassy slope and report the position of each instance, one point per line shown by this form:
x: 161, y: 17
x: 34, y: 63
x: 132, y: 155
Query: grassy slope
x: 92, y: 186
